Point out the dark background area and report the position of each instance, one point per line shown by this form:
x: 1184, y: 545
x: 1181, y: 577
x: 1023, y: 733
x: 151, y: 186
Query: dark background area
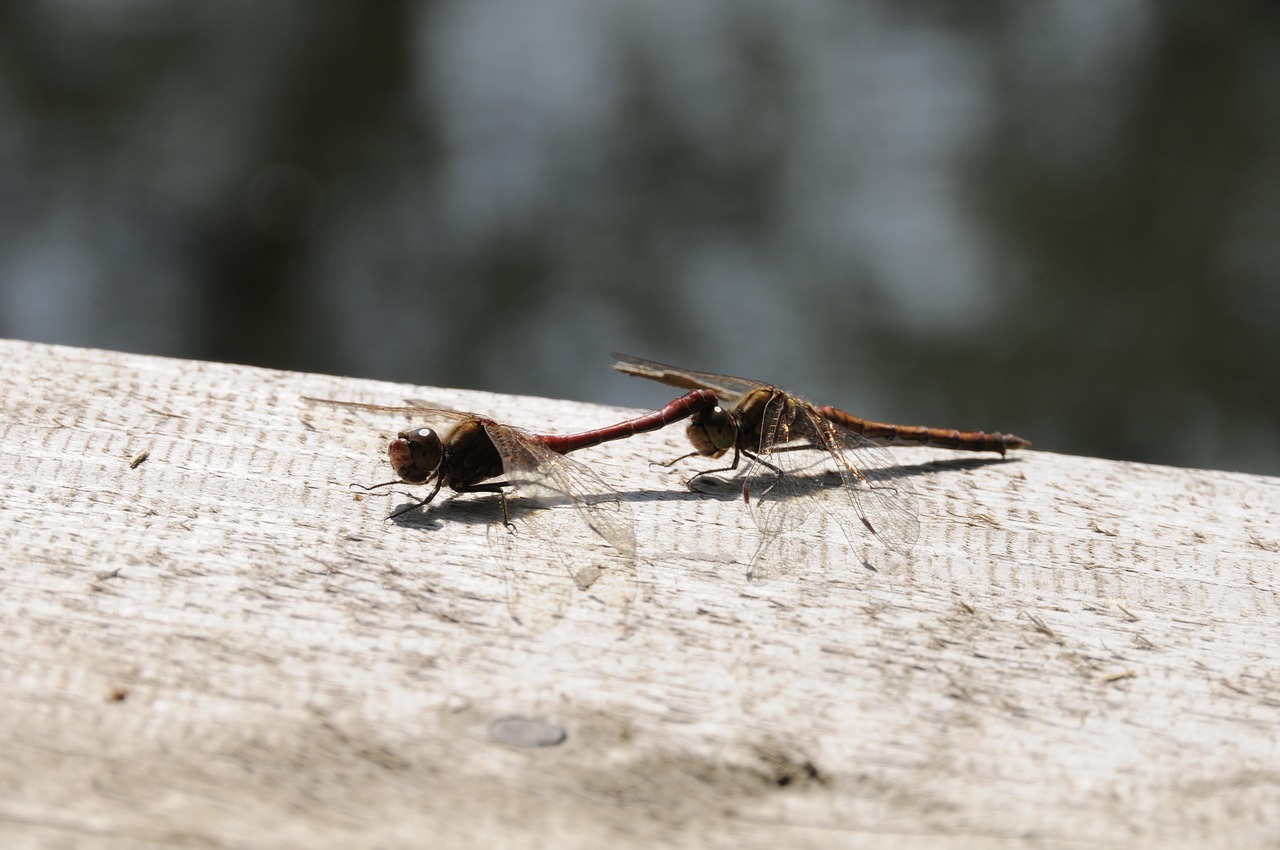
x: 1060, y: 219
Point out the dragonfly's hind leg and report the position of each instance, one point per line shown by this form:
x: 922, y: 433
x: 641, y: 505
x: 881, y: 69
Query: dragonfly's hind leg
x: 746, y: 485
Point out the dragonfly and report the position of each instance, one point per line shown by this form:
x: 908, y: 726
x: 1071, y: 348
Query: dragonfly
x: 793, y: 446
x: 478, y: 454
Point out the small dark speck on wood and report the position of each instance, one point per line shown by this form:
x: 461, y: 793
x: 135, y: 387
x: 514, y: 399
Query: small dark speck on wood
x: 527, y: 733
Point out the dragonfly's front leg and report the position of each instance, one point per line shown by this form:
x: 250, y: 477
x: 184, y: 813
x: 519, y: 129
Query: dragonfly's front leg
x: 415, y: 505
x: 730, y: 468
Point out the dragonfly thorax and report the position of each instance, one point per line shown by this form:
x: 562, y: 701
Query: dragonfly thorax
x: 765, y: 417
x: 416, y: 455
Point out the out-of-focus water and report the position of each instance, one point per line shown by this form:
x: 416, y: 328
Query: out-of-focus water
x: 1060, y: 219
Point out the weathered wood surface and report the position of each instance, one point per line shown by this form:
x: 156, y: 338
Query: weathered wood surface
x: 222, y: 646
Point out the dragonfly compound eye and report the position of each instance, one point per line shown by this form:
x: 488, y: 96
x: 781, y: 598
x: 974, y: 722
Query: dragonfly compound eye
x: 713, y: 433
x: 416, y: 455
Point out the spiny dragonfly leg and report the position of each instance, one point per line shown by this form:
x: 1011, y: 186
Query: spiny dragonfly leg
x: 730, y: 468
x: 415, y: 505
x: 492, y: 487
x: 369, y: 488
x: 506, y: 518
x: 746, y: 485
x: 667, y: 464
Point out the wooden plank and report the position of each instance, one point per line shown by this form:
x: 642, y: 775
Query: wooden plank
x: 221, y: 644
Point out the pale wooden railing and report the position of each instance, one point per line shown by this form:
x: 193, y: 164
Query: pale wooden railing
x: 221, y: 644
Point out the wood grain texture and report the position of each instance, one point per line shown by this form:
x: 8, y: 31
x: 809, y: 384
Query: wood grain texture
x: 223, y: 645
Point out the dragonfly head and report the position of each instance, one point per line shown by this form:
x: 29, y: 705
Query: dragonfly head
x: 714, y: 432
x: 415, y: 455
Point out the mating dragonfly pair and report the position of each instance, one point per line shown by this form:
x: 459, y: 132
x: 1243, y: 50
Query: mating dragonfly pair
x: 801, y: 460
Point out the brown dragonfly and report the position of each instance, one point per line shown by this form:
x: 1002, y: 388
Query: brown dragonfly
x: 478, y: 454
x: 792, y: 446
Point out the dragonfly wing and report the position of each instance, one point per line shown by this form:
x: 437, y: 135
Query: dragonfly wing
x: 414, y: 409
x: 564, y: 495
x: 875, y: 486
x: 366, y: 429
x: 777, y: 480
x: 356, y: 422
x: 809, y: 467
x: 538, y: 596
x: 728, y: 388
x: 814, y: 546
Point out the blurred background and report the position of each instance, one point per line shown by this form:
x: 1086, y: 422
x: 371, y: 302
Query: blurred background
x: 1060, y: 219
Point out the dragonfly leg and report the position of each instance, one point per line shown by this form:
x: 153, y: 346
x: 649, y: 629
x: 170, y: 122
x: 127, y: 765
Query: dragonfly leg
x: 369, y: 488
x: 498, y: 487
x: 415, y: 505
x: 746, y: 485
x: 730, y: 468
x: 506, y: 518
x: 667, y: 464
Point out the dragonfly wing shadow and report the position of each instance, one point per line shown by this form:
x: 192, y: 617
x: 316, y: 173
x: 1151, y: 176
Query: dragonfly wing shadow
x: 816, y: 548
x: 562, y: 547
x: 538, y: 595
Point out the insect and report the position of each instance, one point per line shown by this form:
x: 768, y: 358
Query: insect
x: 471, y: 453
x: 793, y: 448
